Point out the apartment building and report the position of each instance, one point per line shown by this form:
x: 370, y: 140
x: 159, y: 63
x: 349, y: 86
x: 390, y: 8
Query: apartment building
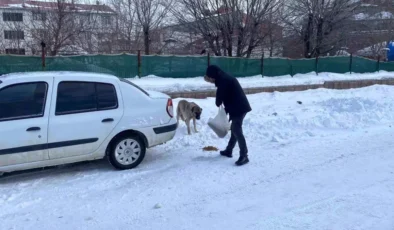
x: 66, y: 27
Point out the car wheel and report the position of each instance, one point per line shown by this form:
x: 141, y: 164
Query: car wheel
x: 127, y: 152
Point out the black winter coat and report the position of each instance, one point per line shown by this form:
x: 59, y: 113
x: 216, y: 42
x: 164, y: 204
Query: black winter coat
x: 229, y: 92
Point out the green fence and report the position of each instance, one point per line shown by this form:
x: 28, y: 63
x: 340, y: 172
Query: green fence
x: 128, y: 66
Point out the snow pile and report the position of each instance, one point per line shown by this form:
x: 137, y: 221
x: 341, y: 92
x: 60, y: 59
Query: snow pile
x: 198, y: 83
x: 277, y: 117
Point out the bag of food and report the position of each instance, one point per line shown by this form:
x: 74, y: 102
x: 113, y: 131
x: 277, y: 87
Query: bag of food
x: 220, y: 124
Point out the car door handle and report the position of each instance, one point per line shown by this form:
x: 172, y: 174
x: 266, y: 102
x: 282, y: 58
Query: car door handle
x: 33, y: 129
x: 107, y: 120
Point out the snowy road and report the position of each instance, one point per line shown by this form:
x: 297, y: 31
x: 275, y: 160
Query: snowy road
x: 327, y: 163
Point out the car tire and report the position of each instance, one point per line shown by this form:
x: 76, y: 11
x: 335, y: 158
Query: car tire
x: 127, y: 152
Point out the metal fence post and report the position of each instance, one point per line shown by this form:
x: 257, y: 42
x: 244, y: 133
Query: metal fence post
x: 262, y: 65
x: 209, y: 58
x: 43, y: 55
x: 317, y: 65
x: 139, y: 63
x: 291, y: 67
x: 351, y: 63
x: 170, y: 63
x: 378, y: 64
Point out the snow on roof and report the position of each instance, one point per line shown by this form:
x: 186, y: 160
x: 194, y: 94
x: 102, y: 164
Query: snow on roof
x: 26, y: 4
x: 15, y: 5
x: 368, y: 5
x: 361, y: 16
x: 384, y: 15
x: 380, y: 15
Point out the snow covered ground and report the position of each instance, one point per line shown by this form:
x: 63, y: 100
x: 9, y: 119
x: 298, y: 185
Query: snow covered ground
x: 326, y: 163
x: 198, y: 83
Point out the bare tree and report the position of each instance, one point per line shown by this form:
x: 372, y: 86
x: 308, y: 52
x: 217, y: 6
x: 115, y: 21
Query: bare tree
x: 125, y: 31
x: 320, y: 24
x: 151, y: 14
x: 229, y: 27
x: 60, y: 26
x: 274, y: 31
x: 91, y: 33
x: 195, y: 15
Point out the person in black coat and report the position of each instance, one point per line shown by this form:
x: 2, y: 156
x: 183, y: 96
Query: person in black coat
x: 230, y: 93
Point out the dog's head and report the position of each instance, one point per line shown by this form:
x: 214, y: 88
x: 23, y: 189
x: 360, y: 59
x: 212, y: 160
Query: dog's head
x: 196, y: 110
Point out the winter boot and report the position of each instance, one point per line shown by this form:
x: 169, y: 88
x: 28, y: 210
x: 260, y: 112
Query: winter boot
x: 226, y: 153
x: 242, y: 160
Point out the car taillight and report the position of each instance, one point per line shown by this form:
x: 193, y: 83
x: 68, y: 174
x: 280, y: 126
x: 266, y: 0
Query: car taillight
x: 170, y: 108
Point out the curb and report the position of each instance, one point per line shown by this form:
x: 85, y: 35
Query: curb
x: 347, y: 84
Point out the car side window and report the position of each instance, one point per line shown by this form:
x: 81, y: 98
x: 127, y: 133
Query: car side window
x: 75, y: 97
x: 80, y: 97
x: 23, y: 101
x: 106, y: 96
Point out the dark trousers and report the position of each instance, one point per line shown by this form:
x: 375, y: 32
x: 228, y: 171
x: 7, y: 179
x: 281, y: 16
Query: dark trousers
x: 237, y: 136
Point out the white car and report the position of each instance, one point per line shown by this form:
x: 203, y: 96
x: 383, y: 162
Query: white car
x: 54, y: 118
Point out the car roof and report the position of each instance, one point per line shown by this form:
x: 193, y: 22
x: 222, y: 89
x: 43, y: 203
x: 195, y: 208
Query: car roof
x: 56, y: 74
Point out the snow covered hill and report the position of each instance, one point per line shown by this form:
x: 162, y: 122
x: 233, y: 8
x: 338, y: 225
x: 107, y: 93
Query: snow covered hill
x: 324, y: 163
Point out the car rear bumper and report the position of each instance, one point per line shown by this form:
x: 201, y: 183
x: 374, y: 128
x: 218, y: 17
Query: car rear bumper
x: 163, y: 133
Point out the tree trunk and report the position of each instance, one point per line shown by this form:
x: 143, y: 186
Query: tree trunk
x: 249, y: 50
x: 224, y: 41
x: 307, y: 36
x: 319, y: 37
x: 240, y: 41
x: 254, y: 40
x: 271, y: 42
x: 230, y: 46
x: 146, y: 41
x: 230, y: 39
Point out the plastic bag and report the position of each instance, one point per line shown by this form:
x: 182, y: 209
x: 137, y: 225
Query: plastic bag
x: 220, y: 124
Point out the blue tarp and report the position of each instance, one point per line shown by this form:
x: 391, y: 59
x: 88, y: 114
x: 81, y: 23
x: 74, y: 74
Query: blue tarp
x: 390, y: 52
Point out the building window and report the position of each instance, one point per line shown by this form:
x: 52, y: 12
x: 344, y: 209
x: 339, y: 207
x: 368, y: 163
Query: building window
x: 106, y: 20
x: 12, y: 17
x: 15, y: 51
x: 84, y: 18
x: 14, y: 34
x: 39, y: 16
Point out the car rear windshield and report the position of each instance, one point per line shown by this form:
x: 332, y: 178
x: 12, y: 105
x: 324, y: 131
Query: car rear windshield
x: 136, y: 86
